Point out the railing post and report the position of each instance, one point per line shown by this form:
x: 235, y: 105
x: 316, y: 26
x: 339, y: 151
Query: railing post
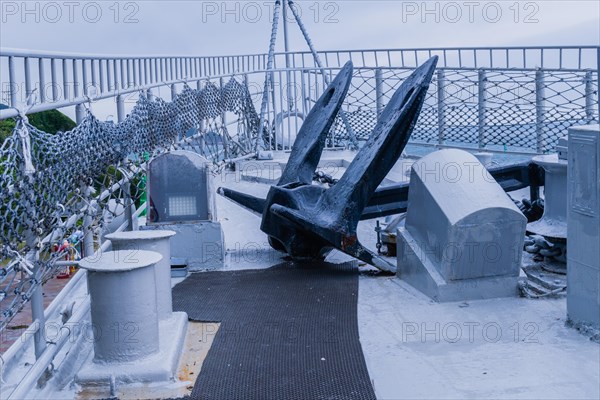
x: 42, y: 77
x: 378, y: 92
x: 223, y: 116
x: 84, y: 77
x: 88, y: 232
x: 589, y: 95
x: 173, y: 96
x: 539, y: 110
x: 120, y: 108
x: 441, y: 82
x: 224, y: 120
x: 79, y: 110
x: 54, y: 80
x: 65, y: 80
x: 79, y: 113
x: 173, y: 91
x: 28, y: 89
x: 481, y: 107
x: 101, y: 74
x: 276, y: 126
x: 199, y: 87
x: 128, y: 203
x: 37, y: 301
x: 122, y: 66
x: 247, y: 131
x: 598, y: 80
x: 75, y: 80
x: 128, y: 72
x: 12, y: 84
x: 116, y: 75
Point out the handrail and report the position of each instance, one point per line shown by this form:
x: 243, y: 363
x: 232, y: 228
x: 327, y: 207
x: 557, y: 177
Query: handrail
x: 16, y: 52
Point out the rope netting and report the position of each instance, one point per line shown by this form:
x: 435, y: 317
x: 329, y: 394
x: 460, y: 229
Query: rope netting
x: 525, y: 111
x: 54, y: 187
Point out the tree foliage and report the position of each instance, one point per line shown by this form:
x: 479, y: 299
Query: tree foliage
x: 50, y: 121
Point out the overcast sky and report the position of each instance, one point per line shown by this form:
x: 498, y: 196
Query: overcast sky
x: 234, y: 27
x: 200, y: 28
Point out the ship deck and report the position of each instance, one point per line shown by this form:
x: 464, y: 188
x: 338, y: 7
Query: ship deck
x: 414, y: 348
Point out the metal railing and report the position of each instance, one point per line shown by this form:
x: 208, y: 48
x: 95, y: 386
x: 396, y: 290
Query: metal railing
x: 467, y: 79
x: 63, y: 80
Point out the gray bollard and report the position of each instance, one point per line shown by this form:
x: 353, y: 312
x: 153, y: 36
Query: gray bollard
x: 151, y: 240
x: 123, y: 305
x: 553, y: 223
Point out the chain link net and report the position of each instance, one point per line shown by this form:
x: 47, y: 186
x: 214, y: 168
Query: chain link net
x: 520, y: 110
x: 54, y: 188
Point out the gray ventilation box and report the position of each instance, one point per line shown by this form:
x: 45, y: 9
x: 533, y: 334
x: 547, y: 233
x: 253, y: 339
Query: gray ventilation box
x: 181, y: 198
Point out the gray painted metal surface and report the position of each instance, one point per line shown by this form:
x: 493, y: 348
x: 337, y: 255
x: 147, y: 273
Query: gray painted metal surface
x: 200, y: 245
x: 159, y: 242
x: 553, y: 224
x: 131, y: 342
x: 182, y: 200
x: 123, y: 303
x: 179, y: 188
x: 463, y: 236
x: 159, y: 368
x: 583, y: 244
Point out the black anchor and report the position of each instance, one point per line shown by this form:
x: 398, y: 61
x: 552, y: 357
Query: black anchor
x: 307, y: 221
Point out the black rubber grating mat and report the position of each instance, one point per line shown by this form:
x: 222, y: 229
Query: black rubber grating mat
x: 287, y: 332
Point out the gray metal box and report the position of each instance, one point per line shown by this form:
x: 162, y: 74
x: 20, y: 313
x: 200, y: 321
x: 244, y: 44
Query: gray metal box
x: 181, y: 196
x: 583, y: 228
x: 180, y: 188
